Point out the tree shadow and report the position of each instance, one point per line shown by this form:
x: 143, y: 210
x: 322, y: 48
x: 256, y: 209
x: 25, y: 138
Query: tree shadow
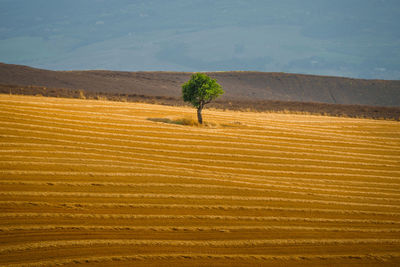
x: 184, y: 121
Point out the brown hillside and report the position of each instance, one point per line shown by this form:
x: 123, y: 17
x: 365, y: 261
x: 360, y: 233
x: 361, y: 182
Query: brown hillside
x: 239, y: 86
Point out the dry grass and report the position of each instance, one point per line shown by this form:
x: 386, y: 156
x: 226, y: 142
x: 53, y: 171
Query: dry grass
x: 106, y: 183
x: 188, y: 121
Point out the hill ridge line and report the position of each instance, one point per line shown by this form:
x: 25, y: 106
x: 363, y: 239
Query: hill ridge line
x: 239, y: 85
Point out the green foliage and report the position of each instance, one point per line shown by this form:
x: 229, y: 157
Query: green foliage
x: 201, y: 90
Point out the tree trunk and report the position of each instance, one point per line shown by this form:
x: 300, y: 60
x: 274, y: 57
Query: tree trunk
x: 199, y: 117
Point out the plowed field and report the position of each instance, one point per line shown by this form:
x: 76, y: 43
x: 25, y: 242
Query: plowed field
x: 110, y: 184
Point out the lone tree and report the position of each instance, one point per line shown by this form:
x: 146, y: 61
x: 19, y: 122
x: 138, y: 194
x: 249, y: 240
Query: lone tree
x: 199, y: 91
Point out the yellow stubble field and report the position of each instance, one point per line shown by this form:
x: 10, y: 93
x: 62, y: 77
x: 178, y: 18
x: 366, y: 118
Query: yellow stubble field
x: 110, y: 184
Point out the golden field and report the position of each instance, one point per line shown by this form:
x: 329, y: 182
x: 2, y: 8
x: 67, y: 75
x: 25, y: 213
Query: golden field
x: 120, y: 184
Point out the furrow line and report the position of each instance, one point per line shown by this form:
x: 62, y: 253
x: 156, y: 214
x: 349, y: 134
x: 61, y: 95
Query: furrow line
x: 192, y: 196
x: 151, y: 108
x: 80, y: 205
x: 372, y: 162
x: 191, y: 186
x: 300, y: 128
x: 205, y: 163
x: 219, y: 228
x: 192, y: 217
x: 370, y: 146
x: 382, y: 258
x: 191, y: 243
x: 224, y: 178
x: 225, y: 134
x: 214, y: 169
x: 51, y: 115
x: 318, y: 130
x: 70, y: 111
x: 375, y: 157
x: 38, y: 148
x: 257, y: 163
x: 244, y: 185
x: 97, y: 104
x: 298, y: 119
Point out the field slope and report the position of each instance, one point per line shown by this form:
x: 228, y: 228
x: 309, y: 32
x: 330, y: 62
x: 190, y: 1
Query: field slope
x: 112, y: 183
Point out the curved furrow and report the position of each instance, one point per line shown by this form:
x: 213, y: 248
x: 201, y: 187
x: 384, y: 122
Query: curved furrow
x: 256, y: 117
x: 221, y: 207
x: 289, y: 140
x: 191, y: 186
x: 210, y: 243
x: 101, y: 183
x: 353, y: 183
x: 271, y: 151
x: 233, y: 158
x: 198, y: 154
x: 273, y: 161
x: 109, y: 145
x: 168, y: 146
x: 184, y: 131
x: 232, y: 136
x: 281, y: 181
x: 94, y: 104
x: 242, y: 179
x: 23, y: 113
x: 213, y: 163
x: 199, y: 182
x: 298, y: 119
x: 249, y: 190
x: 198, y: 147
x: 324, y: 136
x: 348, y: 121
x: 195, y: 217
x: 219, y: 228
x: 196, y: 196
x: 90, y: 115
x: 202, y: 167
x: 247, y: 181
x: 212, y: 258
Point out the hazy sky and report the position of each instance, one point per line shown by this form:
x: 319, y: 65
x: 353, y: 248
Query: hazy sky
x: 353, y: 38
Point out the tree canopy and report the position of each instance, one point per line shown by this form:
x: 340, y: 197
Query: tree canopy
x: 201, y: 90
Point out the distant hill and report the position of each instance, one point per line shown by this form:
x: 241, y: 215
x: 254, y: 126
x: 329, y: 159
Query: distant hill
x: 242, y: 86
